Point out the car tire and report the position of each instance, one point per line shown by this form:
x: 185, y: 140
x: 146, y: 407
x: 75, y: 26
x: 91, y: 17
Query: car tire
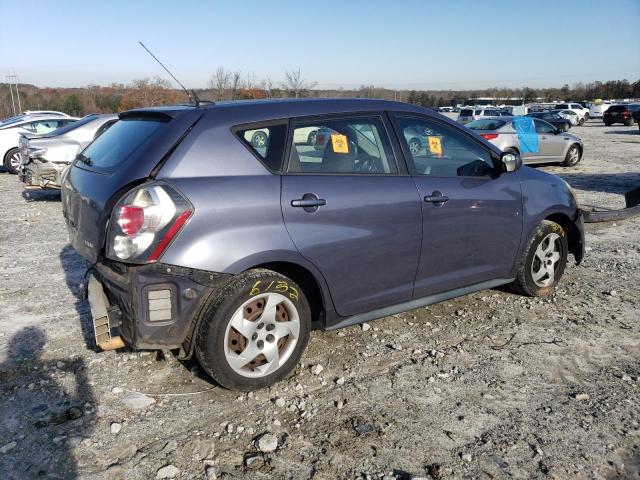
x: 415, y: 145
x: 608, y: 124
x: 311, y: 139
x: 233, y: 327
x: 543, y: 261
x: 259, y: 139
x: 10, y: 162
x: 573, y: 156
x: 581, y: 122
x: 628, y: 123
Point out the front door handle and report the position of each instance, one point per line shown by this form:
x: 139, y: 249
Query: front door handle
x: 308, y: 202
x: 437, y: 198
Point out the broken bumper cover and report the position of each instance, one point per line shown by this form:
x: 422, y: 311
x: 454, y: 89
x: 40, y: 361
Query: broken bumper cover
x: 41, y: 173
x: 153, y: 306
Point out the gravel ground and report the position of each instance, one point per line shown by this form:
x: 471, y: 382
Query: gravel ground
x: 491, y: 385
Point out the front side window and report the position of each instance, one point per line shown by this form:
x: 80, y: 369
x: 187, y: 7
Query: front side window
x: 347, y: 146
x: 440, y: 150
x: 266, y: 142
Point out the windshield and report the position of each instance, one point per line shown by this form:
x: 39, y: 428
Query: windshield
x: 120, y: 141
x: 617, y: 108
x: 485, y: 124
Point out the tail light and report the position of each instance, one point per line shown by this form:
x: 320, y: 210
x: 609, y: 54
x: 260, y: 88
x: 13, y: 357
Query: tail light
x: 489, y: 136
x: 145, y: 221
x: 626, y: 114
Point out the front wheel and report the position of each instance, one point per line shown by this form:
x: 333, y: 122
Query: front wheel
x: 573, y: 156
x: 543, y: 261
x: 253, y: 331
x: 12, y: 161
x: 581, y: 122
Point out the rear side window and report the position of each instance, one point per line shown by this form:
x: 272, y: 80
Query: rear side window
x: 266, y: 143
x: 121, y: 140
x: 342, y: 146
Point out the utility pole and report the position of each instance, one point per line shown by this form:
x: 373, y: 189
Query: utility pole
x: 14, y: 78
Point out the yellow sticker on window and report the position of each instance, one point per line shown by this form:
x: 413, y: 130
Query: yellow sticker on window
x: 339, y: 143
x: 435, y: 146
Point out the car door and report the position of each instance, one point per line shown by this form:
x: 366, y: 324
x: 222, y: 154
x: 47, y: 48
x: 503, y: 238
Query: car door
x: 471, y: 214
x: 551, y: 145
x: 352, y: 212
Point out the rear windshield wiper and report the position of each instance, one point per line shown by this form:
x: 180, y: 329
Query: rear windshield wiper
x: 84, y: 159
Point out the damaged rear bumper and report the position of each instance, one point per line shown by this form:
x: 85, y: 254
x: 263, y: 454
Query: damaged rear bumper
x: 149, y: 306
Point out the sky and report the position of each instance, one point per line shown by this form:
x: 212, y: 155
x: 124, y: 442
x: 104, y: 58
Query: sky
x: 412, y: 44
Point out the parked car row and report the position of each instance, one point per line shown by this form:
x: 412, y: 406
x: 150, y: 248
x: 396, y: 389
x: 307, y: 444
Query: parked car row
x: 45, y: 157
x: 230, y: 251
x: 28, y: 124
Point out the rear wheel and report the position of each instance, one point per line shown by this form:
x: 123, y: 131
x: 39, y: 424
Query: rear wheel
x: 573, y: 156
x: 415, y: 146
x: 608, y: 124
x: 259, y: 139
x: 253, y: 332
x: 628, y: 123
x: 543, y: 261
x: 581, y: 121
x: 12, y: 161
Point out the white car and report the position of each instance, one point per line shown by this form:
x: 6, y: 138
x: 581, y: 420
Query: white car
x: 29, y: 125
x: 582, y: 112
x: 570, y: 115
x: 597, y: 110
x: 260, y: 138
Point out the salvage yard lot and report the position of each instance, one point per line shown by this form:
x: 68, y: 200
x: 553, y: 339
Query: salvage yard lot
x: 489, y: 385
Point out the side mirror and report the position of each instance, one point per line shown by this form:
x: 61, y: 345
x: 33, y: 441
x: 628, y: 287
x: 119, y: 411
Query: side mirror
x: 510, y: 161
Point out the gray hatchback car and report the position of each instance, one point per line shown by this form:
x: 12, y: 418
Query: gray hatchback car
x: 201, y: 241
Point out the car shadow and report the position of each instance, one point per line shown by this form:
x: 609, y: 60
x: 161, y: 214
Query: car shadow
x: 41, y: 195
x: 618, y: 183
x: 75, y: 270
x: 633, y: 131
x: 48, y: 407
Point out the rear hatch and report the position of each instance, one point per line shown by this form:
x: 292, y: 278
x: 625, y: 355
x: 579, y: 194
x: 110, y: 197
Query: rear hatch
x: 615, y: 111
x: 124, y: 156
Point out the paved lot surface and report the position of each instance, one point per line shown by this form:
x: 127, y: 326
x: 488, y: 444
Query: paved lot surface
x: 491, y: 385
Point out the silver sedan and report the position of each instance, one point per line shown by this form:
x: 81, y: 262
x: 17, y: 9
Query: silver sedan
x: 535, y: 140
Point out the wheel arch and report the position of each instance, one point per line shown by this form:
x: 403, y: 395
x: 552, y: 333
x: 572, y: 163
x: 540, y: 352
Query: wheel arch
x: 309, y: 284
x: 574, y: 239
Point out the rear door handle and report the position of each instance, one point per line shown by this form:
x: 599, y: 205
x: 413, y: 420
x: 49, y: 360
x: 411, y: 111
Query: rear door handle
x: 308, y: 202
x: 437, y: 198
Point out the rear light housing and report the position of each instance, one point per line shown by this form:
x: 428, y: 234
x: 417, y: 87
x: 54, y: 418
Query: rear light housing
x: 145, y: 221
x: 489, y: 136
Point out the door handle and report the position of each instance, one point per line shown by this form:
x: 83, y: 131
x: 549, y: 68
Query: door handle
x: 437, y: 198
x: 308, y: 202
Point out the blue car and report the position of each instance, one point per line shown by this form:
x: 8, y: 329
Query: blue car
x: 201, y: 241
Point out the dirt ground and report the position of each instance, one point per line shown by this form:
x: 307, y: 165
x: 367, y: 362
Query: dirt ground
x: 491, y: 385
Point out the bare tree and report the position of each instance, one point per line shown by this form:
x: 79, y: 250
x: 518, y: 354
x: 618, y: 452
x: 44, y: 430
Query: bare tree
x: 295, y: 84
x: 236, y: 84
x: 220, y: 82
x: 267, y: 86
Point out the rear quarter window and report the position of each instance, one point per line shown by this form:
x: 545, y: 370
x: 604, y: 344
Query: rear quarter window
x: 266, y: 142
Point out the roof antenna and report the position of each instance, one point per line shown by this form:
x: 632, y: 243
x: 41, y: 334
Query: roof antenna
x: 193, y: 98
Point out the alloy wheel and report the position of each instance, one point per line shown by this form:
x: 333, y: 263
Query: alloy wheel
x: 546, y: 260
x: 261, y: 335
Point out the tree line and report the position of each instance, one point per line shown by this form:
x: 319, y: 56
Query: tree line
x: 234, y: 85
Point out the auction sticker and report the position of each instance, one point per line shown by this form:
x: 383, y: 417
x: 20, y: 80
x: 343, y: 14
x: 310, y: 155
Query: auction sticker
x: 435, y: 145
x: 339, y: 143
